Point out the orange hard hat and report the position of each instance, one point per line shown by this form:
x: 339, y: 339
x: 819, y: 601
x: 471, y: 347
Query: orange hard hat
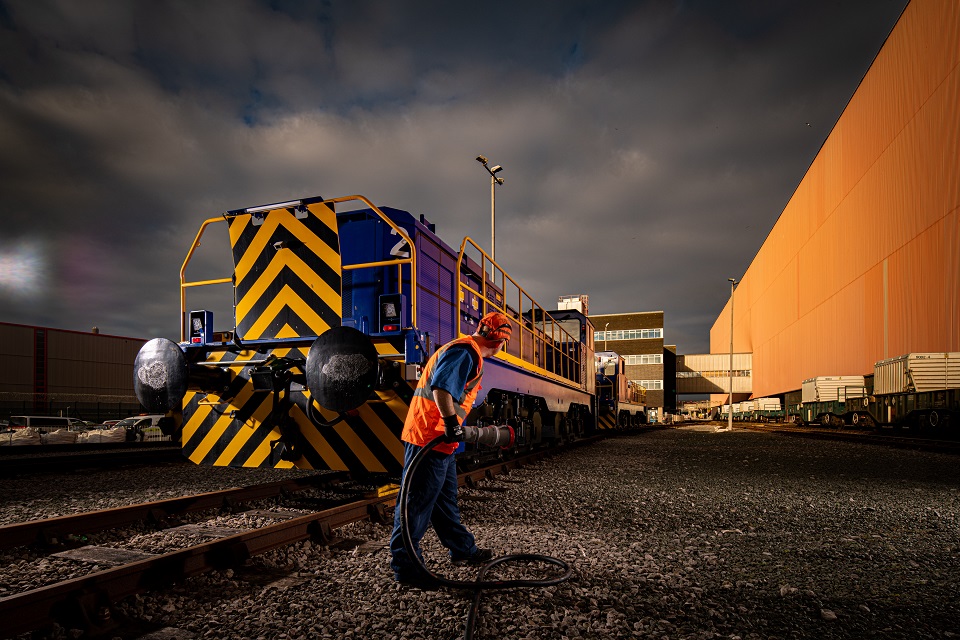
x: 495, y: 326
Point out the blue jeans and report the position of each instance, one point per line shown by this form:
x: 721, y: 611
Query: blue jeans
x: 432, y: 501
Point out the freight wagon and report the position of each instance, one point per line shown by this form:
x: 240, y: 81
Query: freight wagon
x: 832, y: 400
x: 920, y: 391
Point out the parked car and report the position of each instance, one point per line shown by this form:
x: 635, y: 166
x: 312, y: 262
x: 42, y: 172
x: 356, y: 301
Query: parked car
x: 143, y: 428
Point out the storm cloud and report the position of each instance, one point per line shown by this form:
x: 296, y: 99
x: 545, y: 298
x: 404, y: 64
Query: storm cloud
x: 648, y: 147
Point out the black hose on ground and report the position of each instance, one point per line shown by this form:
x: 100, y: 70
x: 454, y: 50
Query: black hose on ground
x: 479, y: 585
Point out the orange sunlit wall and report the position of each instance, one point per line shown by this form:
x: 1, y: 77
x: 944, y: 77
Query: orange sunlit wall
x: 864, y: 262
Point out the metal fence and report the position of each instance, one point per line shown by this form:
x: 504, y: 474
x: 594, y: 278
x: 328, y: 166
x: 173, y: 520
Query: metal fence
x: 84, y: 406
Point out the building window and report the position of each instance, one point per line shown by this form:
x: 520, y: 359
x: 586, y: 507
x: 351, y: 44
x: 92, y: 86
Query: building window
x: 644, y: 358
x: 737, y: 373
x: 628, y: 334
x: 650, y: 385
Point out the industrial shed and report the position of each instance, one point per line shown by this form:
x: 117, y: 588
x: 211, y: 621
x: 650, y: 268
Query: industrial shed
x: 46, y: 371
x: 863, y: 262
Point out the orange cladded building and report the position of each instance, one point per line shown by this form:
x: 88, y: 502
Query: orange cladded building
x: 863, y: 263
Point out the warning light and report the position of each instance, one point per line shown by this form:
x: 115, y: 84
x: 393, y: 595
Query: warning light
x: 201, y: 326
x: 393, y: 311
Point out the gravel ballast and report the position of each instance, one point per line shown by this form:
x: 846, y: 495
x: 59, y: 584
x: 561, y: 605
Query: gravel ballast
x: 674, y: 533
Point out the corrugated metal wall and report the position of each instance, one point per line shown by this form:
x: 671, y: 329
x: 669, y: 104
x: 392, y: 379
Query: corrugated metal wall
x: 863, y: 262
x: 75, y: 362
x: 16, y: 358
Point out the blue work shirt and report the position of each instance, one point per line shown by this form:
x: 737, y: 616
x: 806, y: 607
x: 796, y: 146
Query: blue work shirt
x: 454, y: 368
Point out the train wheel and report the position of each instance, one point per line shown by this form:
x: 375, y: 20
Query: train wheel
x: 825, y: 420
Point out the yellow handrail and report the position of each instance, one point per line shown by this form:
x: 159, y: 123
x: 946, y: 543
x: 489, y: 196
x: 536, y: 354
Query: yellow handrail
x: 200, y: 283
x: 565, y: 365
x: 412, y: 260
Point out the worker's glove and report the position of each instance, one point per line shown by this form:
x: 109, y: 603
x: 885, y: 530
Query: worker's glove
x: 452, y: 431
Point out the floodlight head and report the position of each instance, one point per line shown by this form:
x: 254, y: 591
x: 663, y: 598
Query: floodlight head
x: 481, y: 159
x: 499, y: 180
x: 496, y: 168
x: 732, y: 280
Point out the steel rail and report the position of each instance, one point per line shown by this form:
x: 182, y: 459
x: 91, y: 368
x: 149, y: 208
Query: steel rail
x: 71, y: 457
x: 86, y: 601
x: 56, y: 530
x: 896, y: 441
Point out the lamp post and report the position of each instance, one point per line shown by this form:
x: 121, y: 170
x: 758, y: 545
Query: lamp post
x: 494, y: 181
x: 733, y: 283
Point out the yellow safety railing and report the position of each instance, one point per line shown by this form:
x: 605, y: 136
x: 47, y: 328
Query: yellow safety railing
x: 538, y: 339
x: 412, y: 260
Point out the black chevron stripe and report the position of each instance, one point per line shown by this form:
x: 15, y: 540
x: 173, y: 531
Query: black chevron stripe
x: 313, y: 223
x: 261, y: 433
x: 311, y: 259
x: 369, y: 438
x: 326, y: 234
x: 287, y: 316
x: 302, y: 290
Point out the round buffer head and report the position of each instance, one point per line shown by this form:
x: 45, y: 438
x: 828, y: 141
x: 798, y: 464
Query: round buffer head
x: 160, y: 376
x: 341, y: 369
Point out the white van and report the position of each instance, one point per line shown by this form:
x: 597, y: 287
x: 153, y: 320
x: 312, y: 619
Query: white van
x: 43, y: 424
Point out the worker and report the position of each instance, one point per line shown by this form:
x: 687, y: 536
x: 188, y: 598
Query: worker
x: 444, y: 396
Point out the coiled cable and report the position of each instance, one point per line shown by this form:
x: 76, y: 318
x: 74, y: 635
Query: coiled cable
x: 479, y: 585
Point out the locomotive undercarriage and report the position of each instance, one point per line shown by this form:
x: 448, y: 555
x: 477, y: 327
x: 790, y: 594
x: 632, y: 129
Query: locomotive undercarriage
x: 535, y: 426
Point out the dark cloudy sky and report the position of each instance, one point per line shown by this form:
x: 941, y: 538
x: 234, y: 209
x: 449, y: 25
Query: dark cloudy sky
x: 648, y: 146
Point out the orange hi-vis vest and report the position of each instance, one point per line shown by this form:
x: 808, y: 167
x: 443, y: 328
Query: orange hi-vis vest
x: 423, y: 422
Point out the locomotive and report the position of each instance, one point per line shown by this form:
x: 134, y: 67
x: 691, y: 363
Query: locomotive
x: 338, y: 303
x: 621, y: 402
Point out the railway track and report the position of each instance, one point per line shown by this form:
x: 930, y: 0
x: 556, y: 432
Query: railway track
x: 28, y: 460
x: 889, y: 440
x: 86, y: 601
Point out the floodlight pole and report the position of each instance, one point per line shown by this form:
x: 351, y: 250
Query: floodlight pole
x: 494, y: 181
x: 733, y: 283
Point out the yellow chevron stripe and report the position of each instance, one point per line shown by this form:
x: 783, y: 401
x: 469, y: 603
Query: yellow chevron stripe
x: 317, y: 442
x: 203, y: 411
x: 358, y: 447
x: 382, y: 431
x: 399, y: 408
x: 243, y: 435
x: 326, y: 214
x: 299, y: 267
x: 196, y: 420
x: 274, y: 219
x: 287, y: 298
x: 220, y: 426
x: 353, y: 442
x: 386, y: 349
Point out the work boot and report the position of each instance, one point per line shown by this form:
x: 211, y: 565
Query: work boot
x: 480, y: 556
x: 422, y: 582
